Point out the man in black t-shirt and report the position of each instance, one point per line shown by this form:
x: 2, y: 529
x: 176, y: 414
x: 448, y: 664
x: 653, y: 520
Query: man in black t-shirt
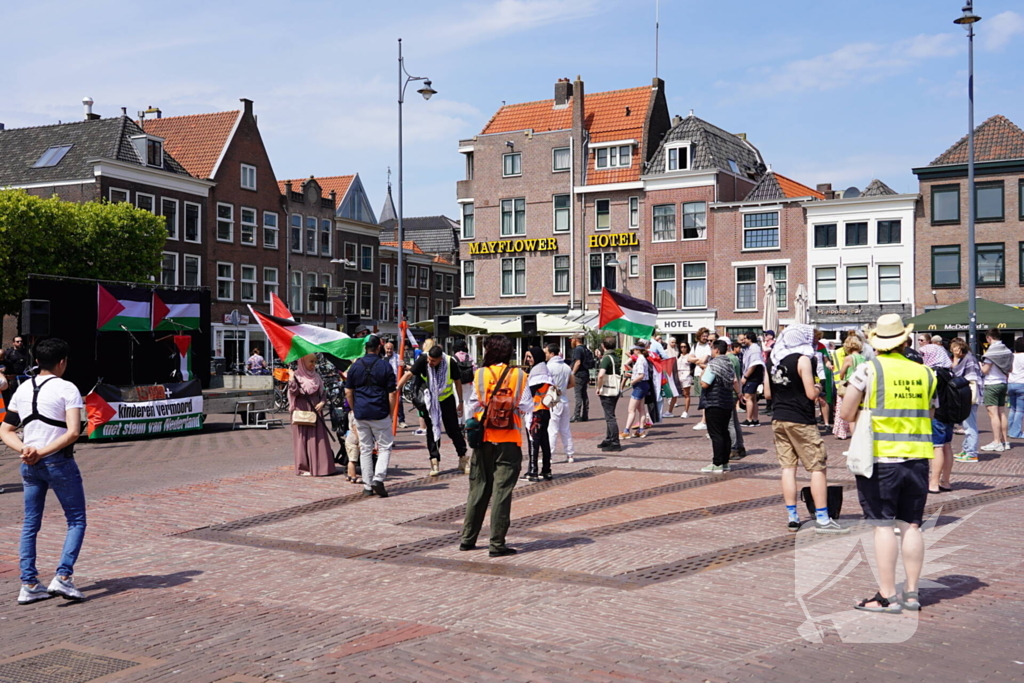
x: 581, y: 362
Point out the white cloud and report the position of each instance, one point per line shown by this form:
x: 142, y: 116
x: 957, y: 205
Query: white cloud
x: 479, y: 22
x: 998, y: 31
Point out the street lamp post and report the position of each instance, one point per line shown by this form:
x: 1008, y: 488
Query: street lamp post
x: 968, y: 20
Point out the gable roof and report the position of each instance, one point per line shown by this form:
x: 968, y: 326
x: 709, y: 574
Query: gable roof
x: 338, y: 183
x: 196, y: 140
x: 777, y: 186
x: 711, y: 148
x: 387, y: 212
x: 20, y: 148
x: 434, y: 234
x: 877, y: 189
x: 997, y: 139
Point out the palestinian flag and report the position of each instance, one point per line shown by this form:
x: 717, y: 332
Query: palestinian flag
x: 119, y: 308
x: 621, y: 313
x: 175, y: 311
x: 278, y: 309
x: 184, y: 345
x: 292, y: 340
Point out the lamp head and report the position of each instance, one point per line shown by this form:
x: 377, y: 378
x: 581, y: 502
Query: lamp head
x: 427, y: 91
x: 968, y: 18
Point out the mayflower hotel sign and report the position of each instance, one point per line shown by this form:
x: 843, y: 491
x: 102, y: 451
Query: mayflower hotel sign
x: 513, y: 246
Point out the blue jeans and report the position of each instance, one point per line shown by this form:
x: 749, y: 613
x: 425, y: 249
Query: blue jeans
x: 1015, y: 392
x: 60, y: 474
x: 970, y: 446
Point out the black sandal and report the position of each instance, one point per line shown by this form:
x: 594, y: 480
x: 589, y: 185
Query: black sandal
x: 886, y: 605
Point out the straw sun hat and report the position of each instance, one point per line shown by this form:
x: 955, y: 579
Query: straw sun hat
x: 889, y: 332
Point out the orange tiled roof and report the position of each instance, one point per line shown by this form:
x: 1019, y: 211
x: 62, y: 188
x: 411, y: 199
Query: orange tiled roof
x: 792, y: 188
x: 196, y: 140
x: 994, y: 140
x: 409, y: 245
x: 442, y: 259
x: 338, y: 183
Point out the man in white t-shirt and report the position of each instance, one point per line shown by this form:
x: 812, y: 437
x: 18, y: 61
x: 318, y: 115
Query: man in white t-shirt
x: 700, y: 356
x: 563, y: 380
x: 49, y: 411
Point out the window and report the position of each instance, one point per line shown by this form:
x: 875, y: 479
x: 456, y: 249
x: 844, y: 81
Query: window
x: 889, y: 232
x: 118, y: 195
x: 664, y: 279
x: 424, y: 277
x: 169, y: 269
x: 438, y: 307
x: 296, y: 297
x: 468, y: 225
x: 761, y: 230
x: 311, y: 235
x: 889, y: 284
x: 634, y: 265
x: 665, y: 223
x: 325, y: 239
x: 603, y: 211
x: 695, y: 285
x: 225, y: 281
x: 512, y: 164
x: 562, y: 274
x: 449, y: 283
x: 856, y: 234
x: 169, y: 210
x: 825, y: 285
x: 468, y: 279
x: 634, y: 212
x: 991, y: 265
x: 824, y: 236
x: 561, y: 204
x: 781, y: 285
x: 145, y: 201
x: 694, y: 220
x: 602, y: 274
x: 247, y: 228
x: 746, y: 289
x: 988, y: 201
x: 677, y: 158
x: 325, y: 282
x: 311, y: 306
x: 946, y: 266
x: 350, y: 298
x: 270, y: 230
x: 248, y: 177
x: 1020, y: 200
x: 270, y: 283
x: 192, y: 278
x: 857, y: 284
x: 350, y: 256
x: 53, y: 156
x: 449, y: 305
x: 438, y: 282
x: 383, y: 307
x: 513, y: 276
x: 424, y: 312
x: 560, y: 159
x: 385, y: 274
x: 154, y: 153
x: 192, y: 222
x: 733, y: 166
x: 366, y: 299
x: 513, y: 217
x: 248, y: 284
x: 366, y: 258
x: 614, y: 157
x: 296, y: 233
x: 225, y: 222
x: 410, y: 276
x: 410, y: 308
x: 945, y: 204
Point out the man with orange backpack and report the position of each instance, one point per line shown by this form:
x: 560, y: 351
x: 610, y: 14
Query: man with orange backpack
x: 501, y: 396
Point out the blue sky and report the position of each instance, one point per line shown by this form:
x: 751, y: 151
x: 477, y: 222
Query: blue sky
x: 830, y: 92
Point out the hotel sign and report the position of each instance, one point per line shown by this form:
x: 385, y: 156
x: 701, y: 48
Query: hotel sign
x: 513, y: 246
x: 619, y: 239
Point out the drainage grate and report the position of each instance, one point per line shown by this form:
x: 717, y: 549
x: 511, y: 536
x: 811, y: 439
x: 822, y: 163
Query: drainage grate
x: 64, y: 665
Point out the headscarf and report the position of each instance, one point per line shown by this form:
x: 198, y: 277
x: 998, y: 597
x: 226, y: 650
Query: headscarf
x: 935, y: 356
x: 798, y: 338
x: 309, y: 381
x: 539, y: 373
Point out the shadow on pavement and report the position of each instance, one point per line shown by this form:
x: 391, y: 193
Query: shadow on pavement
x: 120, y: 585
x: 553, y: 544
x: 956, y: 586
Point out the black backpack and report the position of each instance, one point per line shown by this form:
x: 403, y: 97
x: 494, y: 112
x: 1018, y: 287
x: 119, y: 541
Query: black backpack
x: 588, y: 360
x: 954, y: 394
x: 465, y: 369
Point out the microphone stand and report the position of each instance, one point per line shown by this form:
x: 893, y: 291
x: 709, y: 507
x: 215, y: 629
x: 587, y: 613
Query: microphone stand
x: 131, y: 353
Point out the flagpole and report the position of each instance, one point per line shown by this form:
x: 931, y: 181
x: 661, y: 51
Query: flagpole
x: 403, y: 326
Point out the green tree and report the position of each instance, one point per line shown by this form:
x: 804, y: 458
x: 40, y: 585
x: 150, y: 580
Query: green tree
x: 93, y: 240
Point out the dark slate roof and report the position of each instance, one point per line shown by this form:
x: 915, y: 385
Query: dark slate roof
x: 20, y: 148
x: 711, y: 149
x: 997, y: 139
x: 775, y: 186
x: 387, y: 212
x: 877, y: 189
x: 433, y: 234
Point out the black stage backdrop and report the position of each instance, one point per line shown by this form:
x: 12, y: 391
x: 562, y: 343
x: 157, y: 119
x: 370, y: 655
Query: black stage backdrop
x: 107, y: 356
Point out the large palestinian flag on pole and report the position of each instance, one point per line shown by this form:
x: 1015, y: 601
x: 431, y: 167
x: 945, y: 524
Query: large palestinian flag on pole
x: 292, y: 340
x: 119, y: 308
x: 625, y: 314
x: 175, y: 311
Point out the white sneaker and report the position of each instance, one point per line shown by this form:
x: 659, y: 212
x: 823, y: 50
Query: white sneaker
x: 569, y: 458
x: 684, y: 415
x: 65, y: 588
x: 420, y: 432
x: 30, y: 594
x: 667, y: 415
x: 1006, y: 446
x: 994, y: 446
x: 435, y: 467
x: 700, y: 425
x: 1000, y: 447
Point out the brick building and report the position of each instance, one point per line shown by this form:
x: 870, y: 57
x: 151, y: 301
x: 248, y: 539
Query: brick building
x: 941, y: 224
x: 553, y: 197
x: 310, y: 244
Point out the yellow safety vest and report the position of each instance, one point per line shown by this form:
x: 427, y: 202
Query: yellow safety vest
x: 449, y: 386
x: 900, y: 399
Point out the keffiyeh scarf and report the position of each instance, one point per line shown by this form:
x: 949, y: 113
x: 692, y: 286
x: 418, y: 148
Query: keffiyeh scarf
x: 438, y: 378
x: 1000, y: 356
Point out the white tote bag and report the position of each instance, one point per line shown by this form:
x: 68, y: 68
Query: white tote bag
x: 860, y: 458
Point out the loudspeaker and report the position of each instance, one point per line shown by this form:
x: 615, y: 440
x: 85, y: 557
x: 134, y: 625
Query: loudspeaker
x: 835, y: 500
x: 529, y: 321
x: 35, y: 317
x: 441, y: 328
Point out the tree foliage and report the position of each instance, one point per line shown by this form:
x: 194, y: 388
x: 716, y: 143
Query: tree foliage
x: 95, y: 240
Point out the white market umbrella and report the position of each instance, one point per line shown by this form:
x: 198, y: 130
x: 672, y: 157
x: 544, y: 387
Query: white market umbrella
x: 463, y: 323
x: 771, y: 305
x: 802, y: 303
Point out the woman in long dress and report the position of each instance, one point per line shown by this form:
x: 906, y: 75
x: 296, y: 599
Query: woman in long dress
x: 311, y: 444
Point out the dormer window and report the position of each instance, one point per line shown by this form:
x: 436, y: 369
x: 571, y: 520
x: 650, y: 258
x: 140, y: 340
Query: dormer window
x: 150, y: 149
x: 677, y: 157
x: 617, y: 156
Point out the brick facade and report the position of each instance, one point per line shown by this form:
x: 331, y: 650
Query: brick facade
x: 310, y: 241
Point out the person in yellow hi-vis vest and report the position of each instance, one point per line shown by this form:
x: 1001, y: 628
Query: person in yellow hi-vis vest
x: 899, y: 393
x: 501, y: 396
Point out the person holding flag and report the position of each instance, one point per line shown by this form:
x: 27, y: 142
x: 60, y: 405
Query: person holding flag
x: 441, y: 375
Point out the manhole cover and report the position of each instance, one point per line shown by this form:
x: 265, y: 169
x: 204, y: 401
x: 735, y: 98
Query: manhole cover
x: 66, y: 664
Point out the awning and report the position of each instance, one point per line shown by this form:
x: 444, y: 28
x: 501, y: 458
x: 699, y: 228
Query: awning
x: 464, y: 323
x: 546, y: 324
x: 954, y: 318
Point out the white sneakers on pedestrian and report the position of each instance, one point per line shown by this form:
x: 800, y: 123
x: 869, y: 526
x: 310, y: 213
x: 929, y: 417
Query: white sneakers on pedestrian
x: 420, y: 432
x: 30, y: 594
x: 994, y: 446
x: 700, y: 425
x: 666, y: 414
x: 65, y: 588
x: 435, y: 467
x: 684, y: 415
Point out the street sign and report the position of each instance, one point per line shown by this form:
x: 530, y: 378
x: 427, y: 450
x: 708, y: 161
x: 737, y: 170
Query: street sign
x: 336, y: 293
x: 318, y: 294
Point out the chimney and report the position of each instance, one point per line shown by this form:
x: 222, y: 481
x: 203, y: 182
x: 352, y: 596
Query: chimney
x: 741, y: 136
x: 87, y: 105
x: 247, y: 105
x: 563, y: 91
x: 1, y: 126
x: 676, y: 120
x: 578, y: 121
x: 826, y: 189
x: 288, y: 190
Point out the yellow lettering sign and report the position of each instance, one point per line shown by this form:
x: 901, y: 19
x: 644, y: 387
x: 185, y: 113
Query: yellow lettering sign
x: 513, y: 246
x: 619, y: 239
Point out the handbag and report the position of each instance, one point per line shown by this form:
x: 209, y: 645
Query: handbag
x: 304, y: 417
x: 860, y: 457
x: 612, y: 382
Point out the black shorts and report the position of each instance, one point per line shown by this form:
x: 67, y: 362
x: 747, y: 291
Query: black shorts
x: 754, y: 381
x: 896, y: 491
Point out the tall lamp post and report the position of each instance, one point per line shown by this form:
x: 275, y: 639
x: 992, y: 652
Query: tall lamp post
x: 968, y: 20
x: 404, y: 79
